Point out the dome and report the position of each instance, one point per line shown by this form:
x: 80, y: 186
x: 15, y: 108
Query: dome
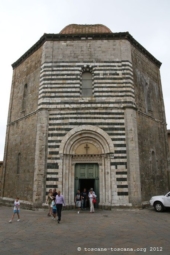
x: 85, y: 29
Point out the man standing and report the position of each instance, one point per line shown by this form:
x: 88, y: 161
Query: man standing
x: 59, y: 200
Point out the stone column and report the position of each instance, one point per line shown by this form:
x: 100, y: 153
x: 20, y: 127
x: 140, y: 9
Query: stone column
x: 40, y: 158
x: 107, y: 177
x: 71, y: 185
x: 134, y: 183
x: 101, y: 182
x: 66, y: 178
x: 60, y: 172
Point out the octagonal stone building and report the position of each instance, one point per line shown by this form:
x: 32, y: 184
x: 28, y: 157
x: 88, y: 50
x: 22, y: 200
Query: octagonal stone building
x: 86, y: 110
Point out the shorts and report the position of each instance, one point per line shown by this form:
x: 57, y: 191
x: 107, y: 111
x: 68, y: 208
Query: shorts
x: 16, y: 211
x: 54, y: 211
x: 78, y: 203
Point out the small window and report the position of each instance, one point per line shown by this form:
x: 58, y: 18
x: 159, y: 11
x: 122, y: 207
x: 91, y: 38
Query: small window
x: 18, y: 162
x: 86, y: 84
x: 154, y: 164
x: 148, y: 97
x: 149, y: 102
x: 24, y: 98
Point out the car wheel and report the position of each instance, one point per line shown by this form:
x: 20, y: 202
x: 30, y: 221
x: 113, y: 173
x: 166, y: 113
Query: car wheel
x: 158, y: 207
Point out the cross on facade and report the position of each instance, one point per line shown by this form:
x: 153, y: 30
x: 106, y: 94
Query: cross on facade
x: 86, y: 148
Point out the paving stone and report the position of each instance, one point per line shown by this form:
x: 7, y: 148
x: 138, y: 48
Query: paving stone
x: 37, y: 234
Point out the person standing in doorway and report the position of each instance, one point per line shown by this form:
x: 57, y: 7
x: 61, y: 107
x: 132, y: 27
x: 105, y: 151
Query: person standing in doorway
x: 84, y: 199
x: 78, y: 200
x: 59, y: 200
x: 91, y: 196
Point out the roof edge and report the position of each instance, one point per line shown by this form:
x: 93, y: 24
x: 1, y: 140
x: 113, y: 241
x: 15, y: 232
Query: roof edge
x: 106, y: 36
x: 83, y: 27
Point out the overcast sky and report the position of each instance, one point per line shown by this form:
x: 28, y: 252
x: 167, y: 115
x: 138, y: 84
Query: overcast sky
x: 23, y: 22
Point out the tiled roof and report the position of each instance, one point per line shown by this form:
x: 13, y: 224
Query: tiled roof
x: 85, y: 29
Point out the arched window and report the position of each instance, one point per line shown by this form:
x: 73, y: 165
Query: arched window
x: 86, y: 84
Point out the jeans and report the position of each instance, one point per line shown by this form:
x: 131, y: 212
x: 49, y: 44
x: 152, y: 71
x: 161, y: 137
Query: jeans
x: 84, y: 202
x: 59, y: 209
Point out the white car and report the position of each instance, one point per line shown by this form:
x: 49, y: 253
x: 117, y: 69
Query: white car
x: 160, y: 202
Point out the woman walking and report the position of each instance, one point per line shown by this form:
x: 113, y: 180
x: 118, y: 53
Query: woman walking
x: 49, y: 201
x: 92, y: 195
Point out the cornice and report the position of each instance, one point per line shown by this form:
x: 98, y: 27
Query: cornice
x: 102, y: 36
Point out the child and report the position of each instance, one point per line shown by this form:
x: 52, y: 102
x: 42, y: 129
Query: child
x: 54, y: 208
x: 16, y: 209
x: 78, y: 200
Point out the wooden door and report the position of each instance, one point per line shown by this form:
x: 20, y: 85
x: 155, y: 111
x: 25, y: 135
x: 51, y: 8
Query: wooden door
x: 87, y: 171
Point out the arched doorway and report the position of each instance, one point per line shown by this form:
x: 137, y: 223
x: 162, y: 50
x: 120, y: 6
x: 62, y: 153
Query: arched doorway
x: 87, y: 177
x: 86, y: 151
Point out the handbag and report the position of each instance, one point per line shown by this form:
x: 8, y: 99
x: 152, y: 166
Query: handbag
x: 94, y: 200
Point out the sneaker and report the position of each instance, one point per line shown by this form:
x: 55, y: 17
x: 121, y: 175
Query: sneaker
x: 78, y: 212
x: 18, y: 220
x: 10, y: 221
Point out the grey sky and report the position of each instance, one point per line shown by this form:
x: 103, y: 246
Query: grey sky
x: 23, y: 22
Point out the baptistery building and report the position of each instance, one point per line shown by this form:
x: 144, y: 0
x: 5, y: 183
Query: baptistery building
x: 86, y: 111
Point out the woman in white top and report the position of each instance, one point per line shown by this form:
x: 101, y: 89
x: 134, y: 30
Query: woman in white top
x: 91, y: 196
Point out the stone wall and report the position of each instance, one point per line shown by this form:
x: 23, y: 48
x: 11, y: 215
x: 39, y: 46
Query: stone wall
x: 147, y: 84
x: 86, y: 50
x: 24, y: 98
x: 21, y: 132
x: 20, y: 164
x: 1, y: 165
x: 151, y: 126
x: 168, y: 134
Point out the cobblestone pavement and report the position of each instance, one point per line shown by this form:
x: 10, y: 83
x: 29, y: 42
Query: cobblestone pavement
x: 37, y: 234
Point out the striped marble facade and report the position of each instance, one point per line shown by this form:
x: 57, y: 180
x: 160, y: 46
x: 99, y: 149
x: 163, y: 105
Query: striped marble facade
x: 60, y: 92
x: 60, y: 82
